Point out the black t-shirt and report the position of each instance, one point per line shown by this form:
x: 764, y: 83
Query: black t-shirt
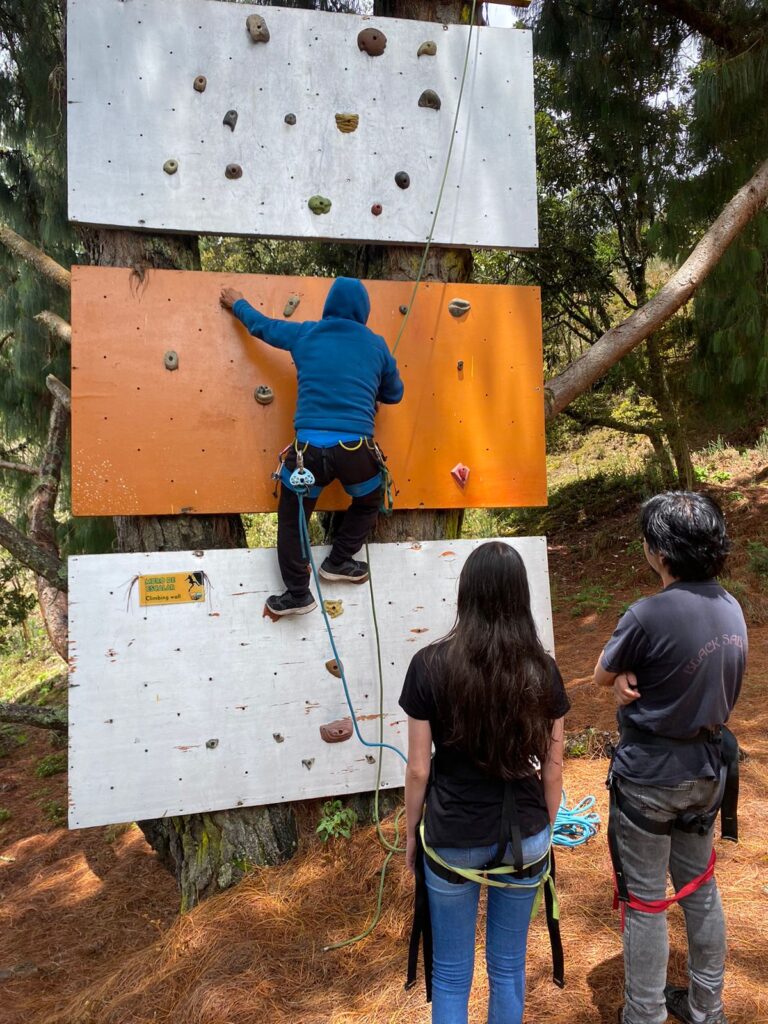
x: 688, y: 647
x: 463, y: 802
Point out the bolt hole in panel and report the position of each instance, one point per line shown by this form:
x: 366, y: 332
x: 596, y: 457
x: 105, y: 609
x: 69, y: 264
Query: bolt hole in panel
x: 132, y: 107
x: 149, y: 442
x: 200, y: 706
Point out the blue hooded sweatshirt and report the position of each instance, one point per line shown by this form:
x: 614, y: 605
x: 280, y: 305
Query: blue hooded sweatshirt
x: 343, y: 368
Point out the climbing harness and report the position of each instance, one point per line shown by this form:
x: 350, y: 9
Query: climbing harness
x: 310, y: 489
x: 700, y: 822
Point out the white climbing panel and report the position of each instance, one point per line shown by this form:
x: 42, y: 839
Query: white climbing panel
x: 133, y: 106
x: 206, y: 705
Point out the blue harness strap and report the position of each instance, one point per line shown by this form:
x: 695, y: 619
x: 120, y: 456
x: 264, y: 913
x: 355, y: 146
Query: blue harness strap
x: 366, y: 487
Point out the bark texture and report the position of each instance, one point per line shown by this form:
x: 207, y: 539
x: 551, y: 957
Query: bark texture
x: 36, y: 258
x: 59, y: 390
x: 56, y: 325
x: 30, y: 714
x: 24, y: 550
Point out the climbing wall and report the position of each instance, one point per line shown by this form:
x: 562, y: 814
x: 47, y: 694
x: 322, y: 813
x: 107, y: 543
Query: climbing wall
x: 183, y: 698
x: 181, y: 117
x: 148, y: 439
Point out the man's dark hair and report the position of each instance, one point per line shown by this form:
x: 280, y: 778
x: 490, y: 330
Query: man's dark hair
x: 688, y: 531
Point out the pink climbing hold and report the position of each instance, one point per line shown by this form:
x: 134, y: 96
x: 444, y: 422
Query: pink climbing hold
x: 460, y: 474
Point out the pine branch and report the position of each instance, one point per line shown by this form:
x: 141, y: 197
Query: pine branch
x: 611, y: 423
x: 24, y: 550
x: 29, y: 714
x: 717, y: 31
x: 59, y: 390
x: 56, y: 325
x: 36, y: 258
x: 19, y: 467
x: 620, y: 340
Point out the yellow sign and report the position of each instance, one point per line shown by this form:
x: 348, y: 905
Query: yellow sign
x: 172, y: 588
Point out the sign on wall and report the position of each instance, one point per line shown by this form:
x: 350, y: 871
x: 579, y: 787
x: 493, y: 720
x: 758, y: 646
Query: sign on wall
x: 184, y: 115
x: 167, y: 416
x: 207, y: 705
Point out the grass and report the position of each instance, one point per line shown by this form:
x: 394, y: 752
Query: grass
x: 31, y: 674
x: 10, y: 739
x: 54, y: 812
x: 592, y: 598
x: 52, y: 764
x: 5, y: 815
x: 757, y: 558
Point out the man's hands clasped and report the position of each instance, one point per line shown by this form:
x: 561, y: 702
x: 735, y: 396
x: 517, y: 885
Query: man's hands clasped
x: 625, y: 688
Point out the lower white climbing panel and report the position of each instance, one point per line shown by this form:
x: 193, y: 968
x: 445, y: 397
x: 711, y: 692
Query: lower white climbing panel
x: 205, y: 704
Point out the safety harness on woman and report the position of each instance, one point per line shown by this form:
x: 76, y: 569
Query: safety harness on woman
x: 494, y: 874
x: 700, y: 822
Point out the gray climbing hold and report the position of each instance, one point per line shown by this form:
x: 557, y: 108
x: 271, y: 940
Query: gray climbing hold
x: 458, y: 307
x: 171, y: 166
x: 319, y: 204
x: 171, y: 360
x: 211, y: 744
x: 427, y: 49
x: 233, y: 171
x: 200, y: 83
x: 372, y: 41
x: 347, y: 123
x: 290, y: 119
x: 263, y: 394
x: 429, y: 98
x: 257, y: 28
x: 308, y: 762
x: 230, y: 119
x: 291, y: 305
x: 402, y: 180
x: 278, y: 737
x: 403, y: 310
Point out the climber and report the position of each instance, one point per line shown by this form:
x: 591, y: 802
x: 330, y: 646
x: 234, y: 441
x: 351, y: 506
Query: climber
x: 344, y: 371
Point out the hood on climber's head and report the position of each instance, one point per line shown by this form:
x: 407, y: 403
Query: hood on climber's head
x: 348, y: 299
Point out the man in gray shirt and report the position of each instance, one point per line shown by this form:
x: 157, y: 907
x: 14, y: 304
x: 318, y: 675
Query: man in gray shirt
x: 676, y: 661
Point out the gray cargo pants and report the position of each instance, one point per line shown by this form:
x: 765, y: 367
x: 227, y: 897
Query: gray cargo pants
x: 646, y: 860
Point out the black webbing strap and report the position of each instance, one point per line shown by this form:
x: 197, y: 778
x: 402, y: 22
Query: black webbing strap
x: 421, y: 929
x: 729, y: 819
x: 553, y: 927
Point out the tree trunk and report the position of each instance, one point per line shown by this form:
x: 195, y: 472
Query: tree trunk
x: 665, y: 403
x: 206, y: 852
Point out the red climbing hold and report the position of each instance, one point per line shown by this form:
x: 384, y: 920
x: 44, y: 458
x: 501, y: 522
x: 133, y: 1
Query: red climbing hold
x: 337, y: 732
x: 460, y: 474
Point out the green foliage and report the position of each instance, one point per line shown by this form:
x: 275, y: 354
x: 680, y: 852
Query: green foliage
x: 336, y: 821
x: 55, y: 812
x: 10, y: 739
x: 593, y: 598
x: 51, y: 764
x: 16, y: 599
x: 5, y: 815
x: 757, y: 557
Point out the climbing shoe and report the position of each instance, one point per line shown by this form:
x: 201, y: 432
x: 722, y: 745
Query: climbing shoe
x: 288, y: 604
x: 350, y: 571
x: 676, y: 999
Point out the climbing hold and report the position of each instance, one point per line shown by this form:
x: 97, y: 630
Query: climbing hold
x: 290, y: 119
x: 308, y: 762
x: 460, y: 365
x: 319, y: 204
x: 334, y: 668
x: 373, y: 41
x: 427, y: 49
x: 171, y: 166
x: 233, y: 171
x: 458, y: 307
x: 263, y: 394
x: 334, y: 608
x: 460, y: 474
x: 278, y: 737
x: 257, y: 28
x: 200, y: 83
x: 347, y: 123
x: 402, y: 180
x: 376, y: 209
x: 211, y: 744
x: 171, y: 360
x: 230, y: 119
x: 291, y: 304
x: 337, y: 732
x: 370, y: 759
x: 429, y: 98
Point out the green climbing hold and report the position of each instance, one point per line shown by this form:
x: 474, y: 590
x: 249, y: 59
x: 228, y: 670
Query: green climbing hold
x: 319, y: 204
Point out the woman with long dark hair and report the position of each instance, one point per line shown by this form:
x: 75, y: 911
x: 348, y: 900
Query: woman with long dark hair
x: 492, y: 701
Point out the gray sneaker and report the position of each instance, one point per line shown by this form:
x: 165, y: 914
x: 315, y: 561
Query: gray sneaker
x: 350, y: 571
x: 286, y: 604
x: 678, y: 1007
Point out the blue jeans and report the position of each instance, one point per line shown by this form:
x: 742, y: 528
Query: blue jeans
x: 453, y: 910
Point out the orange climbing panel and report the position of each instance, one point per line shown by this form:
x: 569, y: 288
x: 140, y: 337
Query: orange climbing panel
x: 148, y: 439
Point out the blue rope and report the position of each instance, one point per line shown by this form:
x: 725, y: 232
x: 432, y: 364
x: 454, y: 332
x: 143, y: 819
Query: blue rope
x: 575, y: 825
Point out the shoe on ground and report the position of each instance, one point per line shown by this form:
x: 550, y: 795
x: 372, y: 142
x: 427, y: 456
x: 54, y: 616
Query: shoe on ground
x: 350, y: 571
x: 288, y: 604
x: 678, y: 1007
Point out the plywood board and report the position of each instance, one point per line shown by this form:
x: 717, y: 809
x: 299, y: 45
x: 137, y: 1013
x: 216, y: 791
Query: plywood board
x: 132, y: 106
x: 146, y: 440
x: 205, y: 706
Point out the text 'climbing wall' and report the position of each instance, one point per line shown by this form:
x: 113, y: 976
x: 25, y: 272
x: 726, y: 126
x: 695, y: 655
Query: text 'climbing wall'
x: 202, y: 116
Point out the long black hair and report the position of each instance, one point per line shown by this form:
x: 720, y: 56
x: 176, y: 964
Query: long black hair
x: 494, y: 698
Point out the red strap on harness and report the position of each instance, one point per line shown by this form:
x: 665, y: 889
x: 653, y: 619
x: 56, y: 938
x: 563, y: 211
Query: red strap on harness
x: 659, y: 906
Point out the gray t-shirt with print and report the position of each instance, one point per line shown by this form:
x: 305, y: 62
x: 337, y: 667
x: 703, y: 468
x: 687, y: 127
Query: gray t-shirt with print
x: 687, y: 645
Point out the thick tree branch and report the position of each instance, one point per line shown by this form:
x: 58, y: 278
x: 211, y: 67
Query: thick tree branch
x: 618, y: 341
x: 56, y: 325
x: 41, y: 562
x: 35, y: 257
x: 29, y: 714
x: 610, y: 423
x: 717, y: 31
x: 19, y: 467
x: 59, y: 390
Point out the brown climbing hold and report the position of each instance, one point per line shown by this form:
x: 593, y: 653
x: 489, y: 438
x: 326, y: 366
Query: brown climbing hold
x: 376, y: 209
x: 291, y: 305
x: 402, y: 180
x: 427, y: 49
x: 264, y: 395
x: 200, y: 83
x: 290, y: 119
x: 171, y: 360
x: 429, y: 98
x: 233, y: 171
x: 171, y: 166
x: 230, y: 119
x: 257, y: 28
x: 334, y: 668
x: 347, y: 123
x: 458, y: 307
x: 337, y: 732
x: 372, y: 41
